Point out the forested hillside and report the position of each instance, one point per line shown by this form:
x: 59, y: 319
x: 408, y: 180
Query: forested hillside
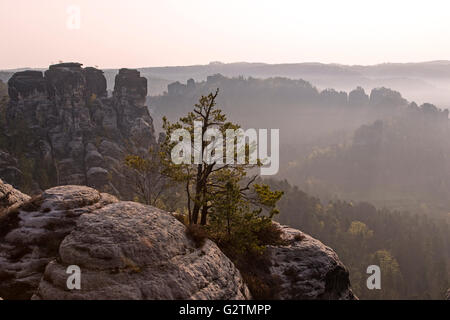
x: 373, y: 146
x: 402, y: 162
x: 412, y: 250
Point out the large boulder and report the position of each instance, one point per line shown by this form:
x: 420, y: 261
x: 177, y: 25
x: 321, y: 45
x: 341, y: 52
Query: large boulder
x: 125, y: 250
x: 307, y: 269
x: 131, y: 251
x: 10, y: 197
x: 30, y: 234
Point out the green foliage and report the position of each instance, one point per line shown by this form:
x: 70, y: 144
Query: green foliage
x: 400, y: 162
x: 359, y: 229
x: 221, y: 200
x: 245, y: 246
x: 148, y: 183
x: 268, y: 198
x: 391, y: 275
x: 412, y: 250
x: 212, y: 187
x: 244, y: 222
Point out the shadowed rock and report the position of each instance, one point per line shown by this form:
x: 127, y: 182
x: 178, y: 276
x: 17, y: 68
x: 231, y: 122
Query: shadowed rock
x: 10, y: 197
x: 26, y: 83
x: 71, y: 132
x: 127, y: 250
x: 130, y: 84
x: 308, y: 270
x: 131, y: 251
x: 30, y: 235
x: 95, y: 82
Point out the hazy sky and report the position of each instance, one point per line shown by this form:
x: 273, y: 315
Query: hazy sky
x: 138, y: 33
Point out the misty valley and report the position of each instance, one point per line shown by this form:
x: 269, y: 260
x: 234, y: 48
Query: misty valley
x: 365, y: 172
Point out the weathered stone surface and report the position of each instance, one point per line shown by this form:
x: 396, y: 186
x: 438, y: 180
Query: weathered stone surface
x: 125, y: 250
x: 97, y: 177
x: 31, y: 234
x: 93, y: 158
x: 308, y: 269
x: 130, y: 251
x: 10, y: 197
x: 129, y: 83
x: 26, y: 83
x: 95, y: 82
x: 69, y: 130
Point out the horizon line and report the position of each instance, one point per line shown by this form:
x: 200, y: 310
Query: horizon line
x: 231, y: 63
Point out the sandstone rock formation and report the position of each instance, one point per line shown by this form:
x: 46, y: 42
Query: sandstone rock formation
x: 308, y: 269
x: 30, y: 235
x: 131, y: 251
x: 125, y: 251
x: 63, y: 128
x: 10, y: 197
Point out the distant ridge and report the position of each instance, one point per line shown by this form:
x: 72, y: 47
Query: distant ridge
x: 421, y: 81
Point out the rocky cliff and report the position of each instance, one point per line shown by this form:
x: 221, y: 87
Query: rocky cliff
x: 126, y: 250
x: 307, y: 269
x: 61, y: 128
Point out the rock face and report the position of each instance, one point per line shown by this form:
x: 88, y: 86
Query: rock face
x: 10, y: 197
x: 131, y: 251
x: 125, y: 251
x: 308, y: 269
x: 66, y: 130
x: 30, y: 235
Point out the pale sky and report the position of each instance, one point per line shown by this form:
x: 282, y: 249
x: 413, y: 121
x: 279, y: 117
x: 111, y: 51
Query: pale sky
x: 139, y: 33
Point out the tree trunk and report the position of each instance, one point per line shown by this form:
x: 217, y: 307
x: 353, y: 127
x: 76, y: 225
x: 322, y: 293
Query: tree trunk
x: 204, y: 214
x: 195, y: 210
